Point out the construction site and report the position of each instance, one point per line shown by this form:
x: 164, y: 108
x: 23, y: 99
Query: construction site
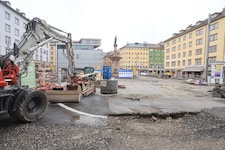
x: 113, y: 109
x: 144, y: 113
x: 141, y: 96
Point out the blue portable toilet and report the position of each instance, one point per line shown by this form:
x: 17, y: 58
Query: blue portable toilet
x: 107, y: 72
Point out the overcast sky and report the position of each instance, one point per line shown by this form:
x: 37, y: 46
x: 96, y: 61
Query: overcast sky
x: 150, y: 21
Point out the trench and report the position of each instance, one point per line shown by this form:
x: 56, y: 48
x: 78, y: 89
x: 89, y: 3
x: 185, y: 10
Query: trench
x: 158, y: 116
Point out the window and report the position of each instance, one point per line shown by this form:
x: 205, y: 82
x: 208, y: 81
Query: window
x: 199, y: 32
x: 167, y: 64
x: 199, y: 41
x: 198, y: 61
x: 174, y: 56
x: 7, y: 40
x: 168, y: 44
x: 167, y: 50
x: 17, y: 21
x: 189, y: 62
x: 214, y: 26
x: 190, y: 53
x: 173, y: 63
x: 167, y: 57
x: 7, y: 28
x: 183, y: 63
x: 184, y: 37
x: 17, y: 32
x: 179, y: 47
x: 198, y: 51
x: 184, y: 54
x: 214, y: 15
x: 213, y: 37
x: 190, y: 35
x: 178, y: 55
x: 179, y: 39
x: 178, y: 63
x: 212, y: 49
x: 174, y: 41
x: 190, y: 44
x: 184, y: 45
x: 7, y: 15
x: 173, y: 49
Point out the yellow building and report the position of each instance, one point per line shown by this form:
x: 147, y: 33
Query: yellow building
x: 53, y: 54
x: 186, y: 52
x: 134, y: 55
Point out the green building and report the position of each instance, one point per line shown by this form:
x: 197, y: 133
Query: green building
x: 156, y: 58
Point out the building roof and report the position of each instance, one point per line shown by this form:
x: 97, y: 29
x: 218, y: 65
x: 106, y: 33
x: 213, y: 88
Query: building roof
x: 89, y: 41
x: 144, y: 45
x: 214, y: 17
x: 7, y: 4
x: 156, y: 46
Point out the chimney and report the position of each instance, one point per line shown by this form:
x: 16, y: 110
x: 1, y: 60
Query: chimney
x: 18, y: 10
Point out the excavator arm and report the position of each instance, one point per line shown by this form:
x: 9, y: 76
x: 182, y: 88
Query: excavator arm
x: 37, y: 34
x: 24, y: 103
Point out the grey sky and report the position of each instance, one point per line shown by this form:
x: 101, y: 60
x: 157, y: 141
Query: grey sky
x: 131, y: 21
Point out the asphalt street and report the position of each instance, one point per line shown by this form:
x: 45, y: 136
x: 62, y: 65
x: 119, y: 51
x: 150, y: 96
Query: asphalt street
x: 133, y: 101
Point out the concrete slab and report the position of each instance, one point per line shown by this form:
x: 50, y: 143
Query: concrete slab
x: 150, y: 96
x: 162, y: 106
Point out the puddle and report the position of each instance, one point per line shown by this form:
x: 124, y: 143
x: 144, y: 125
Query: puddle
x: 92, y: 121
x: 58, y: 115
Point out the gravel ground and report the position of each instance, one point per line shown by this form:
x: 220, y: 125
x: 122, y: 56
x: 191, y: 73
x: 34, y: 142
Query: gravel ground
x: 204, y: 131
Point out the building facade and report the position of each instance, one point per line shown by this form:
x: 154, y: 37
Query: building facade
x: 12, y: 27
x: 135, y: 55
x: 86, y: 54
x: 53, y: 53
x: 146, y: 58
x: 156, y: 58
x: 186, y: 52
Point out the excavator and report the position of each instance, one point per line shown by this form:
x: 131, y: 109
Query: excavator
x: 30, y: 104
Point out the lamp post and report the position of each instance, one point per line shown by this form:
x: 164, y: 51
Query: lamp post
x: 207, y: 49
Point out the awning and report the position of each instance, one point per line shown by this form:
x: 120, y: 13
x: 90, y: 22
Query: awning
x: 193, y: 69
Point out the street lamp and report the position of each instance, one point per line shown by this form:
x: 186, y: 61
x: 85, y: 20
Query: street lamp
x: 207, y: 50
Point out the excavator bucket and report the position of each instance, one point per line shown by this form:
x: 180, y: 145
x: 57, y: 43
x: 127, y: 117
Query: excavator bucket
x: 58, y: 96
x: 62, y: 95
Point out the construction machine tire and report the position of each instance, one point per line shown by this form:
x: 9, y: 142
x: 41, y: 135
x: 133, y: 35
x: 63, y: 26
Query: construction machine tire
x: 31, y: 107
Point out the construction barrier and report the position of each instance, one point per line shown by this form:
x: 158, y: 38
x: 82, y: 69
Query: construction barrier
x: 126, y: 73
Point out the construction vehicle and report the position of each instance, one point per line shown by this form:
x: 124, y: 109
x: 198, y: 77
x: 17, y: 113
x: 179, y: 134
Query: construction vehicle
x: 24, y: 103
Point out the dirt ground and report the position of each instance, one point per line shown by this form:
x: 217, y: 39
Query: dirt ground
x: 204, y: 130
